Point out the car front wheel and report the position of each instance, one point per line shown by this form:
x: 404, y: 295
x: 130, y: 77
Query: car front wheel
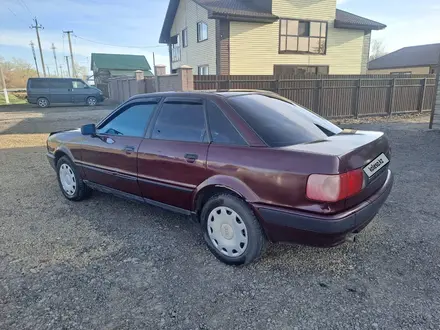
x: 91, y: 101
x: 71, y: 183
x: 231, y: 230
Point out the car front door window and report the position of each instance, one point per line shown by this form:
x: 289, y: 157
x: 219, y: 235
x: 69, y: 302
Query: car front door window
x: 130, y: 122
x: 77, y: 84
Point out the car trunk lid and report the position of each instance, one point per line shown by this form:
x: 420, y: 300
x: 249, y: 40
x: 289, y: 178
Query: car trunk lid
x: 355, y: 150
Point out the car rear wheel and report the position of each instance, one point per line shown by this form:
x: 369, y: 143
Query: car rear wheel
x: 231, y: 230
x: 42, y: 102
x: 91, y: 101
x: 71, y: 183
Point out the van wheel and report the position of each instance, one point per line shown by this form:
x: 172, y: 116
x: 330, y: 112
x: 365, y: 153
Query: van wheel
x: 91, y: 101
x: 42, y: 102
x: 231, y: 230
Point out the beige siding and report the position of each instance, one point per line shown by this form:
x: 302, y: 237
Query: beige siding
x: 365, y: 52
x: 254, y: 46
x: 306, y: 9
x: 413, y: 70
x: 197, y: 53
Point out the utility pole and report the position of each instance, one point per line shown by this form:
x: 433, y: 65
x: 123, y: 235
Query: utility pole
x: 48, y: 71
x: 37, y: 27
x: 5, y: 91
x: 68, y: 68
x: 55, y: 58
x: 71, y: 52
x: 61, y: 71
x: 154, y: 64
x: 35, y: 57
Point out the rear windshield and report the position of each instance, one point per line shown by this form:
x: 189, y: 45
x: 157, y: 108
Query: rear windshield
x: 280, y: 122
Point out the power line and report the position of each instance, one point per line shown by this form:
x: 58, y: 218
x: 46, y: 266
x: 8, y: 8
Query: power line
x: 26, y: 7
x: 102, y: 43
x: 13, y: 13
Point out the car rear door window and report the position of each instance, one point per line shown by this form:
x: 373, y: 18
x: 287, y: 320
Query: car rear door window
x: 180, y: 121
x: 130, y: 122
x: 279, y: 122
x: 222, y: 131
x: 39, y: 83
x: 60, y: 84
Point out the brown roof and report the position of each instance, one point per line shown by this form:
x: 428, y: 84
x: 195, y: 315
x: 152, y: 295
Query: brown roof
x: 347, y: 20
x: 257, y: 11
x: 423, y: 55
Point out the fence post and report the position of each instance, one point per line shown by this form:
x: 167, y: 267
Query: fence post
x: 358, y: 98
x: 277, y: 85
x: 216, y: 82
x: 422, y: 98
x: 393, y: 90
x: 318, y: 97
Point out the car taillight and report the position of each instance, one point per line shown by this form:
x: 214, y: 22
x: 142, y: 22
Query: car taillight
x: 333, y: 188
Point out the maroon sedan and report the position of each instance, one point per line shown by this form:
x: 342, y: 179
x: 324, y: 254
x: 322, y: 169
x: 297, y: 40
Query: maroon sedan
x: 249, y: 166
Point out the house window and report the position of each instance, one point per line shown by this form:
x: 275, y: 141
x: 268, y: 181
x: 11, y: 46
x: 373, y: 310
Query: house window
x: 175, y: 48
x: 303, y: 36
x: 203, y: 70
x: 202, y: 31
x: 289, y: 70
x: 185, y: 38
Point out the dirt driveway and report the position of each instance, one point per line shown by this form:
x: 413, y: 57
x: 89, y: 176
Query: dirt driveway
x: 110, y: 264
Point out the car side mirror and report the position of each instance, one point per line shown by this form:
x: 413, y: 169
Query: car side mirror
x: 87, y: 86
x: 89, y: 129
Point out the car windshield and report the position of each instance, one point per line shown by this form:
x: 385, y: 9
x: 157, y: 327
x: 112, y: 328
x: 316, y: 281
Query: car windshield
x: 280, y: 122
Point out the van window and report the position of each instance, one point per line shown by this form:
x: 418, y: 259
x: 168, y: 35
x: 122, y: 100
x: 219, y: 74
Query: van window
x: 60, y: 83
x: 39, y: 83
x: 78, y: 84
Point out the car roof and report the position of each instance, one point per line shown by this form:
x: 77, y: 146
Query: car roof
x: 43, y: 78
x: 203, y: 93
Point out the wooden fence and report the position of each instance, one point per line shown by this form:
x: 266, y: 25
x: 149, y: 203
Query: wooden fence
x: 337, y: 96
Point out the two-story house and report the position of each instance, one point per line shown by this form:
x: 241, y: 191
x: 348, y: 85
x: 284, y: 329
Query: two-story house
x: 245, y: 37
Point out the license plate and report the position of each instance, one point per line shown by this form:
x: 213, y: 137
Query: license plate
x: 375, y: 165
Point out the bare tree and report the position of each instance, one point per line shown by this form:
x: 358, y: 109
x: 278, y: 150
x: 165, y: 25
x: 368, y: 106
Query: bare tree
x: 377, y: 49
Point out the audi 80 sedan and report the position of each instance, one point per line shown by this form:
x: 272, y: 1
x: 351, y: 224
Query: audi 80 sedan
x: 249, y: 166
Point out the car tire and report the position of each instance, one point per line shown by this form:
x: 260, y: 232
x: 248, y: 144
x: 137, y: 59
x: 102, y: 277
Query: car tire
x: 43, y: 102
x: 92, y: 101
x: 231, y: 230
x: 70, y: 181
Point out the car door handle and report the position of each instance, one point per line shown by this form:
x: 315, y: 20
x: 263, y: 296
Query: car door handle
x: 191, y: 158
x: 129, y: 149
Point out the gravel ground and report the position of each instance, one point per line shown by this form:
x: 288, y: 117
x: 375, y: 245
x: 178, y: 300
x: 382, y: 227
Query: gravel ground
x: 110, y: 264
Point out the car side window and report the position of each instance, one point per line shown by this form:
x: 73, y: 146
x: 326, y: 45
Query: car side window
x: 60, y: 83
x: 181, y: 122
x: 131, y: 122
x: 222, y: 131
x: 78, y: 84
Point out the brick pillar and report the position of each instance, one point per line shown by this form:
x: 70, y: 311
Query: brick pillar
x: 139, y: 75
x: 186, y: 76
x: 160, y: 70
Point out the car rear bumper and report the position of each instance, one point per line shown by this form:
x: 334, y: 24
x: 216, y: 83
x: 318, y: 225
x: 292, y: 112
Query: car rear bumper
x: 322, y: 230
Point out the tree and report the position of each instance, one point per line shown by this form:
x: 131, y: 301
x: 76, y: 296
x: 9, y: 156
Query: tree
x: 377, y: 49
x: 17, y: 72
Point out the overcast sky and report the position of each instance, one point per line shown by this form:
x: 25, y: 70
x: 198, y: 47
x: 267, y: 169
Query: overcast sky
x: 135, y: 23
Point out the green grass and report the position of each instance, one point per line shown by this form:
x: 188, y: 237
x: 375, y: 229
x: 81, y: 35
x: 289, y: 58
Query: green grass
x: 12, y: 99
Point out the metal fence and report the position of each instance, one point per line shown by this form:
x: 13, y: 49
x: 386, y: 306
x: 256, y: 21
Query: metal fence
x: 337, y: 96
